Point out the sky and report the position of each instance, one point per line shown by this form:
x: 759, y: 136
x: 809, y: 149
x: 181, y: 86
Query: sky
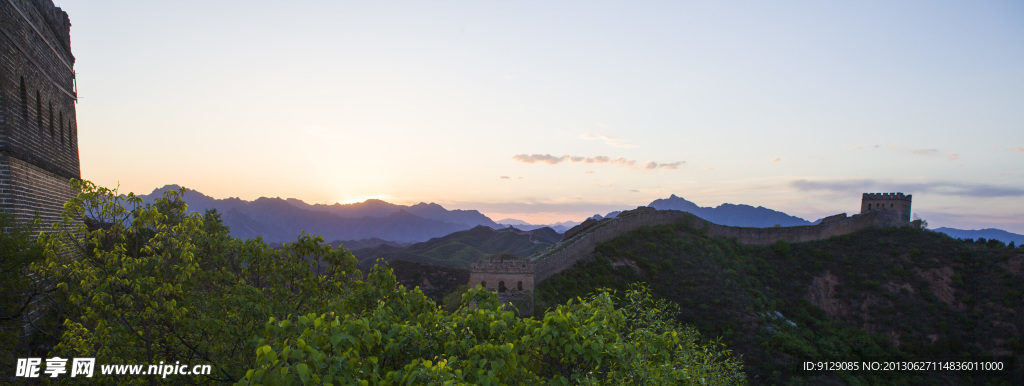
x: 555, y: 111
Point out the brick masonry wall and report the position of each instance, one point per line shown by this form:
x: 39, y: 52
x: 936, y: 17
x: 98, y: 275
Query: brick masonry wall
x: 517, y: 274
x: 26, y: 190
x: 38, y: 126
x: 490, y: 280
x: 490, y: 272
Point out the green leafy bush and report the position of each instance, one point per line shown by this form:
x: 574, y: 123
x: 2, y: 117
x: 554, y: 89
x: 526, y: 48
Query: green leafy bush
x: 403, y: 339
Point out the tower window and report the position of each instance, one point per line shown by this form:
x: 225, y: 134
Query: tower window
x: 39, y: 111
x: 61, y: 123
x: 520, y: 286
x: 51, y: 119
x: 501, y: 286
x: 24, y: 101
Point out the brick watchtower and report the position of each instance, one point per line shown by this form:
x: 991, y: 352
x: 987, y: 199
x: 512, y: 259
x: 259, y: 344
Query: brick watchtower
x: 891, y: 209
x: 511, y: 277
x: 38, y: 128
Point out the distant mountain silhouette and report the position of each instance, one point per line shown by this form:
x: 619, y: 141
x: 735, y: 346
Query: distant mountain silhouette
x: 282, y: 220
x: 730, y: 214
x: 989, y: 234
x: 559, y: 227
x: 365, y: 243
x: 460, y: 248
x: 512, y: 221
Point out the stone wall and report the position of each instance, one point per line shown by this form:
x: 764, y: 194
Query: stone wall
x: 502, y: 274
x: 795, y: 234
x: 26, y: 190
x: 566, y: 253
x: 38, y: 125
x: 563, y: 255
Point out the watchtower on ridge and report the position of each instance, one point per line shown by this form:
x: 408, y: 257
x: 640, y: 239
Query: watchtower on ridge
x: 509, y: 276
x: 893, y: 209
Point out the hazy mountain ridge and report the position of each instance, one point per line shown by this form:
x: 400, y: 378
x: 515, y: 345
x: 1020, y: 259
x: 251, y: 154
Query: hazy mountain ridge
x: 282, y: 220
x: 559, y: 227
x: 726, y: 214
x: 731, y: 214
x: 988, y: 233
x: 460, y: 248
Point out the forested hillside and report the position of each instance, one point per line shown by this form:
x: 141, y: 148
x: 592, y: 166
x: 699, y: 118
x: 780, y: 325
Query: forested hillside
x: 879, y: 295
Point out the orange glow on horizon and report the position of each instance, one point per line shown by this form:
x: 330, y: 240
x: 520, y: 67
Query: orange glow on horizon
x: 360, y: 199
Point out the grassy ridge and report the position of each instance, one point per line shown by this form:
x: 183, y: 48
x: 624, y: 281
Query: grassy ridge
x: 877, y: 295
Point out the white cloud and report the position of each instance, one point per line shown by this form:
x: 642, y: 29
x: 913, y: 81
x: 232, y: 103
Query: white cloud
x: 923, y: 151
x: 600, y: 159
x: 670, y: 166
x: 609, y: 140
x: 533, y: 158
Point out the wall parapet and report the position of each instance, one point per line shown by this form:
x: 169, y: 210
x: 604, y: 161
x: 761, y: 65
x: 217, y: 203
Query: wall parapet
x: 567, y: 252
x: 580, y: 242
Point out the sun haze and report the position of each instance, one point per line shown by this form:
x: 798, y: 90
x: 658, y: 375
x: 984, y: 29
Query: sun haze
x: 553, y: 111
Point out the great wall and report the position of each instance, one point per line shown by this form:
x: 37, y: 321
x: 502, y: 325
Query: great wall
x: 515, y: 279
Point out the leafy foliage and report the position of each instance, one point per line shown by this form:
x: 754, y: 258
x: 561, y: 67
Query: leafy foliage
x: 144, y: 283
x: 393, y: 336
x: 20, y: 291
x: 152, y: 283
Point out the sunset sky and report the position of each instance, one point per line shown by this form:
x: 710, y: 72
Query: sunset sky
x: 552, y: 111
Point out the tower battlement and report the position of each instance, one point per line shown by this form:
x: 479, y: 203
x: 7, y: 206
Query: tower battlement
x: 886, y: 196
x: 501, y: 264
x: 892, y: 208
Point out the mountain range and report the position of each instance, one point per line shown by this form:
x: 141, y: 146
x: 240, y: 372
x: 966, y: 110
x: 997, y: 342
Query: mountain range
x: 730, y: 214
x: 559, y: 227
x: 460, y: 248
x: 988, y: 233
x: 280, y: 220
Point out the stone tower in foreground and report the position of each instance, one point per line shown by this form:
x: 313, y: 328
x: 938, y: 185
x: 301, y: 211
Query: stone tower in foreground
x: 38, y: 128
